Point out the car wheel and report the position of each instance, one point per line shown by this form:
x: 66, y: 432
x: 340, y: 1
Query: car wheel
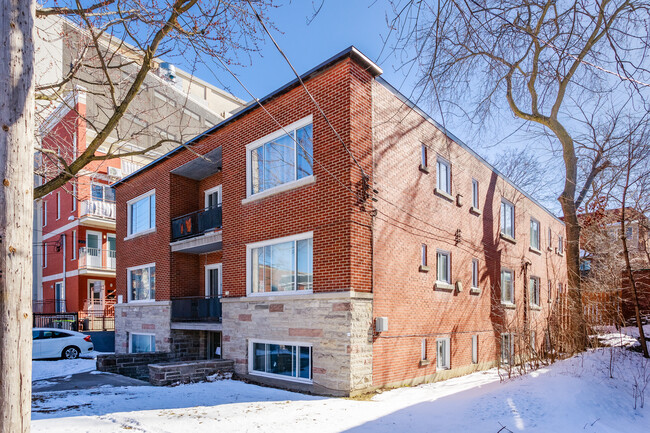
x: 70, y: 352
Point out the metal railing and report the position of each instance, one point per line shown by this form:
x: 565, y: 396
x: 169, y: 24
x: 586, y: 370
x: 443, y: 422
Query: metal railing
x: 48, y: 306
x: 98, y: 208
x: 95, y: 258
x: 196, y: 309
x: 196, y: 223
x: 69, y: 321
x: 98, y: 316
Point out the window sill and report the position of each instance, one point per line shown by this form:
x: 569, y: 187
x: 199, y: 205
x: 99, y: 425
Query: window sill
x: 424, y: 268
x: 280, y: 189
x: 508, y: 238
x: 534, y: 250
x: 443, y: 194
x: 560, y: 254
x: 475, y: 211
x: 424, y: 362
x: 142, y: 233
x: 283, y: 293
x: 424, y: 169
x: 442, y: 368
x: 508, y: 305
x: 442, y: 285
x: 536, y: 308
x: 474, y: 291
x: 279, y: 377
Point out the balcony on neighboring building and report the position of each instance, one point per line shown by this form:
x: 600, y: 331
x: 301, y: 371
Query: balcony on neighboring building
x: 196, y: 313
x: 197, y: 232
x: 95, y: 261
x: 98, y: 213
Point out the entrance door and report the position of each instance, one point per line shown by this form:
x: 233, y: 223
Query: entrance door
x: 110, y: 253
x: 94, y: 249
x: 96, y: 296
x: 213, y: 197
x: 214, y: 345
x: 213, y: 280
x: 59, y: 302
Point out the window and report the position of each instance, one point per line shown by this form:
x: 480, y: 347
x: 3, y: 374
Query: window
x: 142, y: 343
x: 532, y: 340
x: 550, y: 239
x: 213, y: 197
x: 281, y: 265
x: 475, y: 193
x: 102, y: 192
x: 424, y: 256
x: 423, y: 156
x: 560, y: 245
x: 58, y: 205
x: 141, y: 282
x: 474, y: 349
x: 550, y: 291
x: 475, y: 273
x: 507, y: 218
x: 74, y: 196
x: 280, y: 158
x: 559, y: 288
x: 192, y: 114
x: 44, y: 213
x: 74, y: 245
x: 45, y: 255
x: 213, y: 280
x: 507, y: 288
x: 534, y: 291
x: 443, y: 180
x: 442, y: 353
x: 507, y: 348
x: 534, y: 234
x: 423, y: 355
x: 443, y: 271
x: 59, y: 301
x: 629, y: 232
x: 141, y: 213
x: 283, y: 360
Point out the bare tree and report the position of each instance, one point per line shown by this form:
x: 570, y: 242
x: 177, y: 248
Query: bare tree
x: 556, y: 66
x: 524, y: 168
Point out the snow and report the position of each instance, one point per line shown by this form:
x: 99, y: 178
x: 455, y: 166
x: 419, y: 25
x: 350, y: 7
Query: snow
x: 63, y: 367
x: 572, y: 395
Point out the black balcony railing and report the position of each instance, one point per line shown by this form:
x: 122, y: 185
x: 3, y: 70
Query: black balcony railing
x: 196, y: 309
x: 196, y: 223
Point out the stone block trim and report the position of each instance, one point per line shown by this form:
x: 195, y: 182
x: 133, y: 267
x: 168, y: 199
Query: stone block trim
x: 134, y: 365
x: 143, y: 318
x: 170, y: 373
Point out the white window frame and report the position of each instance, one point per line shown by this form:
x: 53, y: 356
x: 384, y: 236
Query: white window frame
x: 442, y: 161
x: 560, y: 244
x: 74, y: 245
x: 251, y: 360
x: 475, y: 349
x: 511, y: 349
x: 128, y: 215
x: 260, y: 142
x: 128, y: 284
x: 475, y: 201
x: 531, y: 289
x: 74, y: 196
x: 44, y: 213
x: 207, y: 277
x: 448, y: 254
x: 512, y: 287
x: 423, y: 350
x: 249, y: 264
x: 534, y: 221
x: 447, y: 364
x: 424, y: 155
x: 210, y: 191
x: 508, y: 205
x: 475, y: 275
x: 131, y: 334
x: 45, y: 255
x: 423, y: 256
x: 58, y: 205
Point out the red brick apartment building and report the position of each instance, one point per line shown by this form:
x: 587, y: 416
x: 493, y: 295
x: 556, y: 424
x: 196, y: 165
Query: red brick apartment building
x: 270, y: 248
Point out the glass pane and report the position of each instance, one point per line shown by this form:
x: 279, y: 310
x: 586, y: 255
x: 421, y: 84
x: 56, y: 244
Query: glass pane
x: 92, y: 241
x: 142, y: 284
x: 109, y: 194
x: 259, y: 356
x: 142, y: 343
x: 213, y: 283
x: 280, y: 259
x: 97, y: 192
x: 443, y: 264
x: 257, y: 170
x: 281, y: 359
x: 279, y: 161
x: 258, y: 283
x: 304, y: 151
x: 305, y: 368
x: 152, y: 211
x: 305, y: 263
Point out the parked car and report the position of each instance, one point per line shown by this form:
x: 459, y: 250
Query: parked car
x: 59, y: 343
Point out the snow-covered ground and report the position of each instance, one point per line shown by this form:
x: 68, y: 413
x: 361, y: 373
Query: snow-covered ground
x: 572, y: 395
x: 63, y: 367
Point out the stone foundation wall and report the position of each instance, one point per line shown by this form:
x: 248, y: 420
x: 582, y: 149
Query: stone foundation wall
x: 143, y: 318
x: 188, y: 344
x: 134, y: 365
x: 187, y: 372
x: 338, y: 326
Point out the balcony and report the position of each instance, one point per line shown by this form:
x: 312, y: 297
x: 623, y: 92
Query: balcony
x: 95, y: 261
x: 197, y: 232
x: 98, y: 213
x: 196, y: 313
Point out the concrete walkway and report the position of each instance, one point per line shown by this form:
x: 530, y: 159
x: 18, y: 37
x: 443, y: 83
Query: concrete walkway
x: 87, y: 380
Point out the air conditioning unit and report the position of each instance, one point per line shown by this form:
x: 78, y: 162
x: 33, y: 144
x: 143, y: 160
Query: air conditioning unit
x: 381, y: 324
x: 114, y: 172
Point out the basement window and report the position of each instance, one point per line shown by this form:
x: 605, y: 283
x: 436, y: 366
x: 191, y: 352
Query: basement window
x: 289, y: 361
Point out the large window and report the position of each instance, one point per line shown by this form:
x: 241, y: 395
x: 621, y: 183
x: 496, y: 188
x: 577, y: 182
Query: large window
x: 442, y: 353
x: 142, y: 283
x: 142, y: 213
x: 507, y: 218
x: 281, y: 265
x: 443, y: 267
x: 443, y: 180
x: 534, y: 292
x: 281, y: 158
x: 507, y: 287
x: 142, y: 343
x: 534, y: 234
x: 102, y: 192
x: 288, y: 361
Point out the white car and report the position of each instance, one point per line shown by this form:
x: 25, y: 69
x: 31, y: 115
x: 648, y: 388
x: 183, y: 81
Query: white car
x: 59, y: 343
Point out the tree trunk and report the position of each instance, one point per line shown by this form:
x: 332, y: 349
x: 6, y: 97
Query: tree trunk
x: 16, y: 204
